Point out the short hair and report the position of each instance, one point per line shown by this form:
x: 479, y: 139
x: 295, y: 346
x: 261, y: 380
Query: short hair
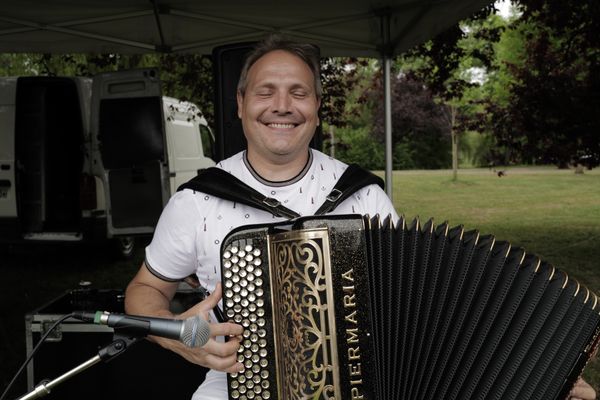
x: 306, y: 52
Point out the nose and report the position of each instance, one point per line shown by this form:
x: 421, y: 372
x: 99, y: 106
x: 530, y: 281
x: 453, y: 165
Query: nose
x: 282, y: 103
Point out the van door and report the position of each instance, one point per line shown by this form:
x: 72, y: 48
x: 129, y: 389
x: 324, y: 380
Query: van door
x: 130, y: 148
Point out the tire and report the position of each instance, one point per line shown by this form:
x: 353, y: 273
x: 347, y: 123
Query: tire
x: 124, y: 247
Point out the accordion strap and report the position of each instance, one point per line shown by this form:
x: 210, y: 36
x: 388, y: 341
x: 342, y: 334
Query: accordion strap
x: 216, y: 182
x: 352, y: 180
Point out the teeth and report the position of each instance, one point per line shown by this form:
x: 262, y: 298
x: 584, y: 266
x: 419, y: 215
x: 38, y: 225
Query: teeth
x: 281, y: 126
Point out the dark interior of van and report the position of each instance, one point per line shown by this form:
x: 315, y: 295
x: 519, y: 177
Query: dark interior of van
x: 49, y: 152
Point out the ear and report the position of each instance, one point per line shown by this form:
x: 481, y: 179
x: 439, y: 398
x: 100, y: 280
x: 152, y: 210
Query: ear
x: 240, y: 102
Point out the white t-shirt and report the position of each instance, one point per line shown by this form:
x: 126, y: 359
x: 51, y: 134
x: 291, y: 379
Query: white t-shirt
x: 193, y: 225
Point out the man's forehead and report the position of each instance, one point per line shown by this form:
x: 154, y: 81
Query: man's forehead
x: 279, y: 59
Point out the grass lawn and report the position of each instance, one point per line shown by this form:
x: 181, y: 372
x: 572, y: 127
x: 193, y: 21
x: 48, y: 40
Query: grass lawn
x: 554, y: 214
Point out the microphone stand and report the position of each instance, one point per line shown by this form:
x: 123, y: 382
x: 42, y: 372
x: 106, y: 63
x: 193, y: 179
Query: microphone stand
x: 119, y: 345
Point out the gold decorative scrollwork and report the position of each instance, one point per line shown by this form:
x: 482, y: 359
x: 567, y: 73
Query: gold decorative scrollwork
x: 304, y: 323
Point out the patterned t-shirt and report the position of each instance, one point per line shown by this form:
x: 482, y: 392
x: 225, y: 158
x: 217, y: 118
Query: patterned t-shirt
x: 193, y: 225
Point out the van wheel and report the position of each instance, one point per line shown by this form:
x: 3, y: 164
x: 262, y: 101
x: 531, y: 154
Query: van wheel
x: 124, y: 247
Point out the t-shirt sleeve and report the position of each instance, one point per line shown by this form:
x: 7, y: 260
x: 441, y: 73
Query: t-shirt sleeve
x: 374, y: 201
x: 171, y: 255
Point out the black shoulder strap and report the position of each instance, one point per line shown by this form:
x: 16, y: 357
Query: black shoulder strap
x: 216, y: 182
x: 353, y: 179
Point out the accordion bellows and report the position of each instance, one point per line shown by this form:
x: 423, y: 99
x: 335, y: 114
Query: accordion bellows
x: 349, y: 307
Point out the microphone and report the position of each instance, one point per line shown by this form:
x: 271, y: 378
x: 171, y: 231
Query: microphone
x: 193, y: 332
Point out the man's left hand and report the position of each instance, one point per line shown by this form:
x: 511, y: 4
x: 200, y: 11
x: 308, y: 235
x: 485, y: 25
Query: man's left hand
x: 582, y: 391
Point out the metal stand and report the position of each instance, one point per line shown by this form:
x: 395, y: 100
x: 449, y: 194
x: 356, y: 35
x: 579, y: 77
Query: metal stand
x: 107, y: 353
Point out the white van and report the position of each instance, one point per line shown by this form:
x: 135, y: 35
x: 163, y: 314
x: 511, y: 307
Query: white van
x: 88, y: 159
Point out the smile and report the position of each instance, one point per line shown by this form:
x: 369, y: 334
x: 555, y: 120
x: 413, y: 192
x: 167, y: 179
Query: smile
x: 281, y: 125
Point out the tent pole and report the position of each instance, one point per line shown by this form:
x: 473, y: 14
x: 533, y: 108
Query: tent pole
x: 387, y: 61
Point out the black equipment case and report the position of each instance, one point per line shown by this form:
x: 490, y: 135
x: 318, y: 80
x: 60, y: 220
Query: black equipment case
x: 144, y: 371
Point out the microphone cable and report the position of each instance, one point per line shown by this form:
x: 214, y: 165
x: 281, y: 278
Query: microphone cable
x: 35, y: 349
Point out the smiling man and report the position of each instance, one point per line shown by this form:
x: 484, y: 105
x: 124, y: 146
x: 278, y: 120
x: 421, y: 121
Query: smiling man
x: 279, y: 94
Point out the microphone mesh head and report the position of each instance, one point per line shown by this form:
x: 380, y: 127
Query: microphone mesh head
x: 196, y: 332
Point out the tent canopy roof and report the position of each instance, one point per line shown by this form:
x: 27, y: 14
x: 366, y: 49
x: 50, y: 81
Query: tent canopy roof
x: 339, y: 27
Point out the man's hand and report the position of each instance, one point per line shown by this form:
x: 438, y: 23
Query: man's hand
x: 215, y: 355
x: 582, y: 391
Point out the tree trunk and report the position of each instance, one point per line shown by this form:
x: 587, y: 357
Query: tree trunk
x: 454, y: 137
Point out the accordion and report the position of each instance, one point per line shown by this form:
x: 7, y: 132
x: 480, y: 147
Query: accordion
x: 352, y: 307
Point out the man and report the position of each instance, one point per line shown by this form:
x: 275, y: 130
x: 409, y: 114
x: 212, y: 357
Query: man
x: 279, y: 94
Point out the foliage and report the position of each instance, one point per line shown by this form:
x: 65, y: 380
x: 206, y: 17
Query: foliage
x: 356, y: 145
x: 553, y: 102
x: 419, y: 130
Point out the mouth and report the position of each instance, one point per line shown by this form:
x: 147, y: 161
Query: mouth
x: 281, y: 125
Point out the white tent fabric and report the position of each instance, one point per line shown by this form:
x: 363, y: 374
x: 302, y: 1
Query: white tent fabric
x: 368, y: 28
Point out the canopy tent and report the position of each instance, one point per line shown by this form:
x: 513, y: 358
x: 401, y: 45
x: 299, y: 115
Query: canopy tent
x: 368, y: 28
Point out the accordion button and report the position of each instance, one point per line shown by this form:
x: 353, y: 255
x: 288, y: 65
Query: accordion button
x: 250, y: 277
x: 264, y: 374
x: 234, y: 384
x: 260, y: 312
x: 262, y: 333
x: 257, y: 261
x: 229, y: 293
x: 242, y: 264
x: 229, y: 303
x: 252, y: 317
x: 249, y: 384
x: 263, y: 363
x: 248, y: 365
x: 256, y: 368
x: 237, y: 319
x: 251, y: 296
x: 249, y: 267
x: 259, y: 293
x: 255, y: 359
x: 245, y: 313
x: 258, y: 281
x: 262, y: 343
x: 253, y: 328
x: 258, y: 272
x: 243, y: 273
x: 245, y: 323
x: 227, y: 264
x: 250, y: 395
x: 242, y: 378
x: 236, y: 288
x: 257, y: 389
x: 245, y: 303
x: 228, y: 283
x: 227, y: 273
x: 235, y: 278
x: 235, y: 394
x: 237, y: 298
x: 230, y: 313
x: 248, y: 373
x: 235, y: 259
x: 247, y: 344
x: 254, y: 348
x: 256, y: 252
x: 233, y: 249
x: 266, y: 395
x: 261, y: 322
x: 259, y: 302
x: 237, y: 308
x: 243, y: 389
x: 241, y: 254
x: 262, y: 353
x: 246, y: 333
x: 227, y: 254
x: 254, y: 338
x: 235, y: 269
x: 240, y: 358
x: 248, y: 248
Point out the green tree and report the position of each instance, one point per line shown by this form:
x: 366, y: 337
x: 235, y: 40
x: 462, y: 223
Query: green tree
x: 551, y: 102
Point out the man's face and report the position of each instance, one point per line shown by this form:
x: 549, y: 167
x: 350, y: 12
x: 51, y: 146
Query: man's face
x: 279, y: 109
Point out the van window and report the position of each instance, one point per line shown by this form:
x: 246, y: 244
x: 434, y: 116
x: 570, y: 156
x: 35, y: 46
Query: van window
x: 208, y: 140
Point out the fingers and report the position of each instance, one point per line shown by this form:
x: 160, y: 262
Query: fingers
x: 582, y: 391
x: 226, y: 329
x: 223, y: 356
